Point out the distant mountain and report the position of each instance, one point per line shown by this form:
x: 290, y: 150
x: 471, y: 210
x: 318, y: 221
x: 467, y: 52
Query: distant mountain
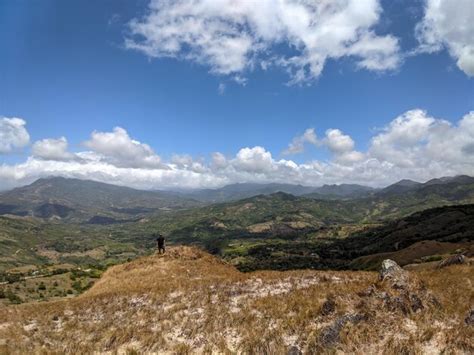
x: 400, y: 187
x: 343, y: 191
x: 79, y: 200
x: 460, y: 179
x: 285, y: 214
x: 75, y: 200
x: 403, y: 186
x: 236, y: 192
x: 240, y: 191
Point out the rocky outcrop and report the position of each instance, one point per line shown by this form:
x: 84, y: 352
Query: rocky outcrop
x: 398, y: 291
x: 453, y: 260
x: 391, y: 272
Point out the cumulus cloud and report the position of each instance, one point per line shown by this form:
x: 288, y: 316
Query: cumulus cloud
x: 339, y: 144
x: 233, y: 36
x: 413, y: 145
x: 255, y: 160
x: 13, y: 134
x: 219, y: 161
x: 52, y: 149
x: 416, y: 141
x: 297, y: 145
x: 119, y: 149
x: 342, y: 147
x: 449, y: 24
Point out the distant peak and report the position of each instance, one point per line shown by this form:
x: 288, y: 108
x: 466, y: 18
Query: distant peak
x: 406, y: 182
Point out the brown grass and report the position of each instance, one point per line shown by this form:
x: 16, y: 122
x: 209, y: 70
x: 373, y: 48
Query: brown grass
x: 190, y: 302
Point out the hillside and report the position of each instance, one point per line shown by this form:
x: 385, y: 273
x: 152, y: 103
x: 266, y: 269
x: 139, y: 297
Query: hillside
x: 277, y: 215
x: 26, y: 242
x: 451, y: 225
x: 282, y: 215
x: 76, y: 200
x: 188, y: 301
x: 364, y: 248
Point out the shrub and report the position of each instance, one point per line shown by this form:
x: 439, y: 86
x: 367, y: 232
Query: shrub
x: 13, y: 298
x: 77, y: 285
x: 432, y: 258
x: 11, y: 278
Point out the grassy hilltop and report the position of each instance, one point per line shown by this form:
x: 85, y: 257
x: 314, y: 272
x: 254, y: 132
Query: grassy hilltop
x: 189, y: 301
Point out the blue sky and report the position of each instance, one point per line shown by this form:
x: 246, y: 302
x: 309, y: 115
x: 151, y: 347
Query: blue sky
x: 67, y: 71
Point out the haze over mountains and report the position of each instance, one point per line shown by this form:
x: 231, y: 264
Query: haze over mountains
x: 81, y: 200
x: 235, y: 192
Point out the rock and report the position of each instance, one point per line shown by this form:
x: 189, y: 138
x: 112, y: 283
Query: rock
x: 469, y: 320
x: 388, y: 268
x: 434, y: 301
x: 452, y: 260
x: 396, y: 304
x: 391, y: 271
x: 328, y: 307
x: 415, y: 303
x: 329, y: 336
x: 294, y: 350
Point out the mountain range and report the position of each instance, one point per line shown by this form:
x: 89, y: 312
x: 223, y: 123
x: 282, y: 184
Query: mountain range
x: 87, y: 222
x: 240, y: 191
x: 77, y: 200
x: 74, y: 200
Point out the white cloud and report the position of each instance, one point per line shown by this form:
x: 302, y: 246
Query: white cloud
x: 221, y: 88
x: 119, y: 149
x: 255, y: 160
x: 52, y: 149
x: 416, y: 141
x: 186, y: 161
x: 342, y: 147
x: 414, y: 145
x: 13, y: 134
x: 338, y: 142
x: 233, y: 36
x: 219, y: 161
x: 297, y: 144
x: 449, y: 24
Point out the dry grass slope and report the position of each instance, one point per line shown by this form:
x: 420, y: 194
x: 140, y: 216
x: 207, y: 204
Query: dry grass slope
x: 190, y: 302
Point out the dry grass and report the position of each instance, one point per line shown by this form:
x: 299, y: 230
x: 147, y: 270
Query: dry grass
x: 190, y: 302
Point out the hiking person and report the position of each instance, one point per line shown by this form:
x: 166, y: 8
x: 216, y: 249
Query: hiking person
x: 160, y: 241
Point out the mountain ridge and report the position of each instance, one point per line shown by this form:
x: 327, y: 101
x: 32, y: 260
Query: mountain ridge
x: 78, y: 200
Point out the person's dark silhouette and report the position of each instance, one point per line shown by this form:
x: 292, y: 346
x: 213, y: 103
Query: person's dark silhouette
x: 160, y: 241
